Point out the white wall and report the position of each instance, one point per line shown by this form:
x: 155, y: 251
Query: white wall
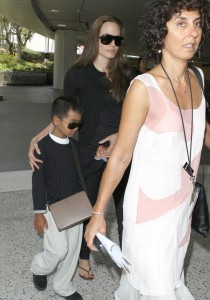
x: 41, y: 43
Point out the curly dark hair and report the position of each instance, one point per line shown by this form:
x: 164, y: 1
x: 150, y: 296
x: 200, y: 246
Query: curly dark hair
x: 153, y: 23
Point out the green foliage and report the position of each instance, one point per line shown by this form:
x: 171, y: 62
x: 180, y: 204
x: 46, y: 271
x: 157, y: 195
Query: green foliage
x: 31, y: 56
x: 9, y: 30
x: 10, y: 63
x: 49, y: 66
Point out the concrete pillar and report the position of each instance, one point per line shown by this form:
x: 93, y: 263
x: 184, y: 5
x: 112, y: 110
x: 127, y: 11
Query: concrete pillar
x: 65, y: 54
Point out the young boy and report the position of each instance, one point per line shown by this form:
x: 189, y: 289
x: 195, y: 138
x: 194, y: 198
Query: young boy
x: 56, y: 179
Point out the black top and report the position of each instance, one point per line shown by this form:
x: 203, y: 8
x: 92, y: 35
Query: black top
x: 102, y: 113
x: 57, y: 176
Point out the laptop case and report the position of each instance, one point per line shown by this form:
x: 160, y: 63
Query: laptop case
x: 71, y: 210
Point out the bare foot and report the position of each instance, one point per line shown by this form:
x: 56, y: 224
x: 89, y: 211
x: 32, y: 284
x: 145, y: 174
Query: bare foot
x: 85, y: 271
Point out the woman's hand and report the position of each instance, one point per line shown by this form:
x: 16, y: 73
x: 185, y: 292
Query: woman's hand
x: 96, y: 224
x: 34, y: 146
x: 32, y: 159
x: 112, y: 140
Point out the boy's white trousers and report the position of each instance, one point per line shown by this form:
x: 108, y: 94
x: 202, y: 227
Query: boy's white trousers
x: 61, y: 252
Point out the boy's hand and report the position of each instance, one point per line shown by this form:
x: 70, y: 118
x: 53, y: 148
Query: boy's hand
x: 112, y: 140
x: 40, y: 223
x: 101, y: 152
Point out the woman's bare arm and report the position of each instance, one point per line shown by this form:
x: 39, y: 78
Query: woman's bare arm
x: 134, y: 112
x: 34, y: 146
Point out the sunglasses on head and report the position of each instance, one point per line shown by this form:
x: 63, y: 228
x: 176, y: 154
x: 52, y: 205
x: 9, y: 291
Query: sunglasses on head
x: 106, y: 39
x: 72, y: 125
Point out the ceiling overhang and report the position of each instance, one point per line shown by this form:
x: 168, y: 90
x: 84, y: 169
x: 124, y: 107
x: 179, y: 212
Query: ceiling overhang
x: 46, y: 16
x: 22, y: 13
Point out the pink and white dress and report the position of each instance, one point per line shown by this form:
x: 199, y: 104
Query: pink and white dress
x: 157, y: 209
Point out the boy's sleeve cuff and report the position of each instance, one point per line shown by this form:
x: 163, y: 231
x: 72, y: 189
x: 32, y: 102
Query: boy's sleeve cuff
x: 40, y: 211
x: 99, y: 158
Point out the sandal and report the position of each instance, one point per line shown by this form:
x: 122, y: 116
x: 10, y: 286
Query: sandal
x: 89, y: 276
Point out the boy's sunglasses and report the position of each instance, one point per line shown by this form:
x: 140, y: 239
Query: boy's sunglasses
x: 72, y: 125
x: 106, y: 39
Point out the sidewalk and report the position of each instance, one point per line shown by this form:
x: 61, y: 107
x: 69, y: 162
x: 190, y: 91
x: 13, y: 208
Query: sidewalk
x: 23, y: 113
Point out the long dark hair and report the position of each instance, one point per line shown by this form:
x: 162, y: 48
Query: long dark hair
x: 153, y: 27
x: 118, y: 69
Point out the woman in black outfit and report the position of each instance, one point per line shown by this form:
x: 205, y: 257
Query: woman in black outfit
x: 99, y: 80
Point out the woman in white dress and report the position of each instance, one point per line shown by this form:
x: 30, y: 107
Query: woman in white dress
x: 162, y: 128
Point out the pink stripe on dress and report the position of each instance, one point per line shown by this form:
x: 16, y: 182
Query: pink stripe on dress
x: 149, y: 209
x: 161, y: 120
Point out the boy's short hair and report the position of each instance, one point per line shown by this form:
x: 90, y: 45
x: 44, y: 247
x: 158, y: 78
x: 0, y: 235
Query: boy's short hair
x: 62, y: 105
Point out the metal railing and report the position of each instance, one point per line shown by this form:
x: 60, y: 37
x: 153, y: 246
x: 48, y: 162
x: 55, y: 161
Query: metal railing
x: 23, y: 78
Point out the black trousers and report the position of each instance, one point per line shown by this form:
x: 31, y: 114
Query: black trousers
x: 92, y: 185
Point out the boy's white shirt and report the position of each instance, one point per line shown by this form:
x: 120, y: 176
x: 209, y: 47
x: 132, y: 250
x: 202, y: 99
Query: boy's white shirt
x: 59, y: 140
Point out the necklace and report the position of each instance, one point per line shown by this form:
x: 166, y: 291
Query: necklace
x: 187, y: 165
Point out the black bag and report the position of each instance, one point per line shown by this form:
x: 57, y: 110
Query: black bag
x: 200, y: 215
x: 208, y: 111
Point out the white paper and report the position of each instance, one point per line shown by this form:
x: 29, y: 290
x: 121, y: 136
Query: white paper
x: 114, y: 251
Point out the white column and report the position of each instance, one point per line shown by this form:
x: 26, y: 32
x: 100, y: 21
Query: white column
x: 65, y: 54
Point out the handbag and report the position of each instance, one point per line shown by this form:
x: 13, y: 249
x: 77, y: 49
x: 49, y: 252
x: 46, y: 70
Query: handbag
x: 74, y: 209
x: 200, y: 215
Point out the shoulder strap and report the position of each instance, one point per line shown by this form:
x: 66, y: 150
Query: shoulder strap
x: 200, y: 80
x: 79, y: 171
x: 199, y: 77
